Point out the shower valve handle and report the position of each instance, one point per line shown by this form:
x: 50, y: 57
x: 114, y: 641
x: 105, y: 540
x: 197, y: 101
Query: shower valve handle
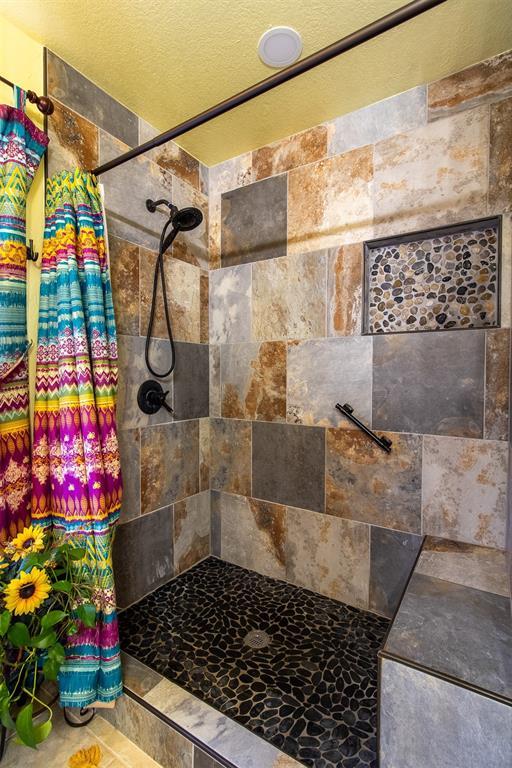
x: 151, y: 397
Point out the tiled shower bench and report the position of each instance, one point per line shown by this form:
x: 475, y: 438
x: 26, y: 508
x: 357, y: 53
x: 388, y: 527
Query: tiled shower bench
x: 445, y: 671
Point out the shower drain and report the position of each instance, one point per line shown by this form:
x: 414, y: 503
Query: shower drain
x: 256, y: 638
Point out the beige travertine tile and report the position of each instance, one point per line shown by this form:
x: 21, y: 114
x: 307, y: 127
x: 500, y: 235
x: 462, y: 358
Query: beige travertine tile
x: 299, y: 149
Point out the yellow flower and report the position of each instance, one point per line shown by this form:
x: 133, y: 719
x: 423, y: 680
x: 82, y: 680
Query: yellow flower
x: 30, y: 540
x: 86, y: 758
x: 26, y: 593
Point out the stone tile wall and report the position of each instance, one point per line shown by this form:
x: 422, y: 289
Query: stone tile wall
x: 297, y: 492
x: 165, y: 518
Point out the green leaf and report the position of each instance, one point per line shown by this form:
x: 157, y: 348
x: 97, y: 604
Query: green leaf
x: 62, y: 586
x: 7, y: 721
x: 57, y: 653
x: 18, y: 634
x: 36, y: 558
x: 5, y: 620
x: 44, y: 640
x: 77, y: 553
x: 52, y: 618
x: 87, y: 614
x: 51, y: 668
x: 25, y: 726
x: 41, y: 732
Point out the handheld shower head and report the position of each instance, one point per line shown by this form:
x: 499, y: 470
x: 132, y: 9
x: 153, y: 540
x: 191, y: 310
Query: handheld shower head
x: 187, y: 219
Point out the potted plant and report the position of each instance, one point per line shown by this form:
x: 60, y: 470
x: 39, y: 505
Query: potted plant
x: 45, y: 597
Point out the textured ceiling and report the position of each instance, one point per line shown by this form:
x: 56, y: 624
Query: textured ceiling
x: 170, y: 59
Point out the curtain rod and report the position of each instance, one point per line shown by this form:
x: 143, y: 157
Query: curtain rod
x: 368, y: 32
x: 44, y: 103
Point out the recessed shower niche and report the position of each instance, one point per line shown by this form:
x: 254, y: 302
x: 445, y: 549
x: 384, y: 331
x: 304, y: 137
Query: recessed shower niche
x: 437, y: 279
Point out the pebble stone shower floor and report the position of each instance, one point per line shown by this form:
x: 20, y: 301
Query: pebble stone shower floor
x: 312, y: 691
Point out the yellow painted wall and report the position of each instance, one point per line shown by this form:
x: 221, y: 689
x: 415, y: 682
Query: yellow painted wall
x: 21, y: 61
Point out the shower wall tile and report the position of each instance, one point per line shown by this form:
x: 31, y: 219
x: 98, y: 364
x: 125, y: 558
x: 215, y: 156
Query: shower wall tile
x: 430, y: 383
x: 253, y: 379
x: 170, y: 156
x: 169, y: 463
x: 183, y: 287
x: 330, y: 202
x: 124, y: 273
x: 253, y: 534
x: 216, y: 522
x: 73, y: 141
x: 254, y: 222
x: 230, y: 304
x: 378, y: 121
x: 143, y: 555
x: 83, y: 96
x: 126, y: 190
x: 204, y: 454
x: 191, y: 246
x: 465, y: 490
x: 364, y: 483
x: 215, y: 391
x: 202, y: 760
x: 191, y: 531
x: 288, y: 464
x: 322, y: 372
x: 482, y: 725
x: 433, y: 175
x: 289, y: 296
x: 233, y: 173
x: 299, y: 149
x: 132, y: 373
x: 230, y: 456
x: 328, y: 555
x: 129, y: 449
x: 500, y: 170
x: 204, y: 292
x: 486, y: 81
x: 497, y: 364
x: 344, y: 290
x: 392, y: 557
x: 191, y: 381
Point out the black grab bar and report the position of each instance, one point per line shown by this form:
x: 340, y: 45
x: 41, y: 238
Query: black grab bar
x: 382, y: 442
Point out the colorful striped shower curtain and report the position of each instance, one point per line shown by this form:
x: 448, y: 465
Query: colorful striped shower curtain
x: 75, y: 459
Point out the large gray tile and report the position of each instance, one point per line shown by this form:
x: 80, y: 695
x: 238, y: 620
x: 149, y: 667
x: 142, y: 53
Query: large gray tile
x: 323, y: 372
x: 126, y: 190
x: 133, y: 372
x: 230, y: 304
x: 364, y: 483
x: 378, y: 121
x: 191, y: 246
x: 328, y: 555
x: 161, y: 742
x: 215, y: 389
x: 124, y: 271
x: 191, y: 381
x: 216, y: 523
x: 129, y: 449
x: 457, y: 631
x: 465, y: 490
x: 288, y: 464
x: 254, y: 534
x: 253, y: 379
x: 83, y: 96
x: 202, y: 760
x: 142, y: 555
x: 430, y: 383
x: 191, y: 531
x: 230, y: 456
x: 169, y: 463
x: 392, y: 557
x: 430, y: 723
x: 254, y: 222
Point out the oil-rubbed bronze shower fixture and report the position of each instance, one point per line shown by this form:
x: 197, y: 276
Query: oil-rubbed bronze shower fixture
x: 382, y: 442
x: 152, y: 396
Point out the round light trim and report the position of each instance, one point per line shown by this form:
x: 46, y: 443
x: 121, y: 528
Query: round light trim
x: 280, y: 46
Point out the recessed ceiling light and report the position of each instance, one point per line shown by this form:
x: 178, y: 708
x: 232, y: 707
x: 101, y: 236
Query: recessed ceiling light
x: 280, y: 46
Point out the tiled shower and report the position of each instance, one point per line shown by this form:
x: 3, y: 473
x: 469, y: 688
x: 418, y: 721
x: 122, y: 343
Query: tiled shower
x: 257, y: 472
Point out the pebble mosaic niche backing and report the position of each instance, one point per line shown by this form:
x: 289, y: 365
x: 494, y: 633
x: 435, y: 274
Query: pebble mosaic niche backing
x: 433, y: 280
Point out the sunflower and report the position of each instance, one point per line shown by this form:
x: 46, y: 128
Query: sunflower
x: 86, y: 758
x: 26, y: 593
x: 30, y: 540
